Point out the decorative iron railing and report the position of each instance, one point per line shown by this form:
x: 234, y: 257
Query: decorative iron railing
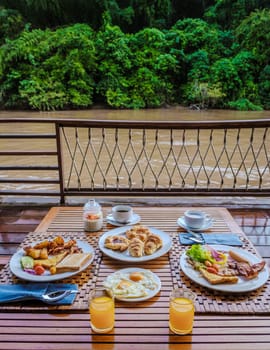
x: 80, y: 157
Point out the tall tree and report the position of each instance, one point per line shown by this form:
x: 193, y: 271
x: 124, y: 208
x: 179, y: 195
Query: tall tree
x: 230, y: 13
x: 253, y: 34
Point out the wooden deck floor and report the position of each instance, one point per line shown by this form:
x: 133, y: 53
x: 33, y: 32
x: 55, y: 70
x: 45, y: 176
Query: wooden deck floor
x: 17, y: 221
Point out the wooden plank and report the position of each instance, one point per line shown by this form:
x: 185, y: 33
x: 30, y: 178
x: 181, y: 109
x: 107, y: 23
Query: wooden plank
x: 45, y: 223
x: 219, y: 330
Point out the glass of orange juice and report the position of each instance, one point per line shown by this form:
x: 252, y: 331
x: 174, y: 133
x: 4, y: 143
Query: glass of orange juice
x: 101, y: 310
x: 181, y: 311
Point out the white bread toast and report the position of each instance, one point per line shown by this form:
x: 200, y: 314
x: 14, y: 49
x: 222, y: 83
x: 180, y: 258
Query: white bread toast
x: 217, y: 279
x: 72, y: 262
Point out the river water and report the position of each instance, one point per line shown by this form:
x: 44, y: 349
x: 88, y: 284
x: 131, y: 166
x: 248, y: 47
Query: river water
x: 173, y: 113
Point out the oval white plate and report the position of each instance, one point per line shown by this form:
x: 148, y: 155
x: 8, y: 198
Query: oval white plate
x: 124, y: 256
x: 135, y: 220
x: 207, y: 225
x: 151, y: 292
x: 16, y: 269
x: 241, y: 286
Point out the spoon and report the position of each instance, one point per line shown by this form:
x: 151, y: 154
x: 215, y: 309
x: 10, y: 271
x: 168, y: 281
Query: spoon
x: 57, y: 295
x: 197, y: 240
x: 195, y: 235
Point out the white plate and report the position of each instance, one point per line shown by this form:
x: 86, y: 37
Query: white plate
x: 241, y: 286
x: 135, y: 220
x: 124, y: 256
x: 206, y: 225
x: 16, y: 269
x: 151, y: 292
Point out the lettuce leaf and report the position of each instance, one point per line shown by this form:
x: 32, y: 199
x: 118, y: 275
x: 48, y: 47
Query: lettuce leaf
x: 198, y: 253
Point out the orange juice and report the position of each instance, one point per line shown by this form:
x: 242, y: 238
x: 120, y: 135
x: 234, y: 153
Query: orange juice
x: 102, y: 314
x: 181, y: 312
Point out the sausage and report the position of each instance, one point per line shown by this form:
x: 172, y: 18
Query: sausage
x: 237, y: 257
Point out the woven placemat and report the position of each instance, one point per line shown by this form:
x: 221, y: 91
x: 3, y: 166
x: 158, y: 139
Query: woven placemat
x: 85, y: 281
x: 208, y: 301
x: 211, y: 301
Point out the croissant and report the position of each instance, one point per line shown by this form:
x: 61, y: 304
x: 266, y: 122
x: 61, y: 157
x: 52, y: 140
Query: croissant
x: 136, y: 247
x: 116, y: 243
x: 138, y: 232
x: 152, y: 244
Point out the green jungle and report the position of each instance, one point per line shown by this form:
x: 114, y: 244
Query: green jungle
x: 74, y: 54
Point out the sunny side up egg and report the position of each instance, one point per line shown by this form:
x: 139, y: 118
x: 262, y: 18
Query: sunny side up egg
x: 130, y: 285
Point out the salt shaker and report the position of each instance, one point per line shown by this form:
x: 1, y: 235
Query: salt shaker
x: 92, y: 216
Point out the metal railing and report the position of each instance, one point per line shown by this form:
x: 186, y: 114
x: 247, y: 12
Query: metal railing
x: 80, y: 157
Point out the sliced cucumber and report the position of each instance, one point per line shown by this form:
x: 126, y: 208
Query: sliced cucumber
x: 27, y: 262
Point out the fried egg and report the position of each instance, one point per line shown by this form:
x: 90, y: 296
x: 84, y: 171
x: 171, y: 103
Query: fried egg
x: 130, y: 285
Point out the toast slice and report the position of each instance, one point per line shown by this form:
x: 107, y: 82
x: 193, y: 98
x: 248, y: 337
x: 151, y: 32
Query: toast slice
x: 72, y: 262
x: 217, y: 279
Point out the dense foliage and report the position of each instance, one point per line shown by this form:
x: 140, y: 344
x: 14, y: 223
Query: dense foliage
x: 134, y: 54
x: 47, y: 69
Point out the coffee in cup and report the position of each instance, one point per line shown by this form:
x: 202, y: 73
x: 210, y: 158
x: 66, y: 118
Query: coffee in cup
x: 195, y: 218
x: 122, y: 213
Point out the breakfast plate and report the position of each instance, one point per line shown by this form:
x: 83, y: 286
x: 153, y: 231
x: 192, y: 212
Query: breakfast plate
x: 125, y: 256
x: 151, y: 283
x: 208, y: 223
x: 16, y: 268
x: 134, y: 220
x: 241, y: 286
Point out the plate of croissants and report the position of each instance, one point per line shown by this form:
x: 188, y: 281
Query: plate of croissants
x: 135, y: 243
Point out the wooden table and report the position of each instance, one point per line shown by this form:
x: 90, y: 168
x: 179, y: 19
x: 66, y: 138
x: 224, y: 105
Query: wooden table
x: 141, y: 325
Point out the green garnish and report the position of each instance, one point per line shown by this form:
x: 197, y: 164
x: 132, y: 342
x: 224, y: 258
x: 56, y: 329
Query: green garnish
x: 198, y: 253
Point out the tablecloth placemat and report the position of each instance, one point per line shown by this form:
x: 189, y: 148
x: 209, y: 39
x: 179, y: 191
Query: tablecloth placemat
x: 210, y: 301
x: 85, y: 280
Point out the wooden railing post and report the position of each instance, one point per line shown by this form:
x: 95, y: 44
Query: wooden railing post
x: 60, y: 162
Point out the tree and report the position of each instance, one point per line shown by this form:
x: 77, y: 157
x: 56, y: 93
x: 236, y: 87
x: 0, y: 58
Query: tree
x: 253, y: 34
x: 11, y: 24
x: 228, y: 14
x: 134, y: 70
x: 264, y: 87
x: 47, y: 70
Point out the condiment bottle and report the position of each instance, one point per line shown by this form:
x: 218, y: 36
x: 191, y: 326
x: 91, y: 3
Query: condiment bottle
x: 92, y: 216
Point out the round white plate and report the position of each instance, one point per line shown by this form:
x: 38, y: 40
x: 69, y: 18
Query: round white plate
x: 135, y: 220
x: 241, y: 286
x: 206, y: 225
x: 124, y: 256
x: 150, y: 292
x: 16, y: 269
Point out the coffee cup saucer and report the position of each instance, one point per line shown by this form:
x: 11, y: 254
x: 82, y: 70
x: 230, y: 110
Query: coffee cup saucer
x: 207, y: 224
x: 134, y: 220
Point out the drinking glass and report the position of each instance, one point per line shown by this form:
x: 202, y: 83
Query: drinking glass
x: 101, y: 310
x: 181, y: 314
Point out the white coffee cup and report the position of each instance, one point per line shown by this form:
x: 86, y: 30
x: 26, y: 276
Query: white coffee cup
x: 195, y: 218
x: 122, y: 213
